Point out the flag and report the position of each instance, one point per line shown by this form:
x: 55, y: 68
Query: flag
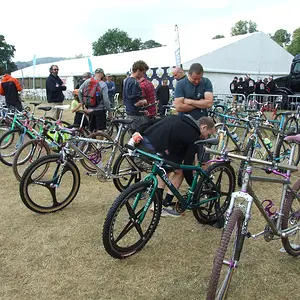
x: 177, y: 47
x: 90, y: 65
x: 33, y: 76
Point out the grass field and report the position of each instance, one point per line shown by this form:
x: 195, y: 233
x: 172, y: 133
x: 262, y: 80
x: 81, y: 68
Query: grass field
x: 60, y: 256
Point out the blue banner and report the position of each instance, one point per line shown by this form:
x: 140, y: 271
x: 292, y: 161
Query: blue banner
x: 90, y: 65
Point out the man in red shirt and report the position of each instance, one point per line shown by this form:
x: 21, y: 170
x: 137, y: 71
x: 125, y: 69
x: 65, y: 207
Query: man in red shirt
x: 148, y: 92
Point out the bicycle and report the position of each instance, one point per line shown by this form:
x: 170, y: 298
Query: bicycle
x: 283, y: 223
x: 40, y: 185
x: 130, y: 223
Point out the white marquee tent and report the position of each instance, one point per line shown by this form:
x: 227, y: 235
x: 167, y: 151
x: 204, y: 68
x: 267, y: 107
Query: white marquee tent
x: 255, y: 54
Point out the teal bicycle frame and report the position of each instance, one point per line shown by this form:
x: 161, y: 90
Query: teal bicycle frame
x: 158, y: 169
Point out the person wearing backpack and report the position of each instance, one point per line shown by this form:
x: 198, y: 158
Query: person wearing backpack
x: 93, y: 94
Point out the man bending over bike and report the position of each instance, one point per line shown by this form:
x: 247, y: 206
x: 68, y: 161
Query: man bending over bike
x: 174, y: 138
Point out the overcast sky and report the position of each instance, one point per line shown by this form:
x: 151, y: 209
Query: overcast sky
x: 68, y: 28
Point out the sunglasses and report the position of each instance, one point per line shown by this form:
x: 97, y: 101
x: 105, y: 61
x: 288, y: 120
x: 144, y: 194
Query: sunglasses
x: 55, y: 69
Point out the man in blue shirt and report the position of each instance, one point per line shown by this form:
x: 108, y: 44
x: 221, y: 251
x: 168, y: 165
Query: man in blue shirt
x: 194, y: 94
x: 133, y: 97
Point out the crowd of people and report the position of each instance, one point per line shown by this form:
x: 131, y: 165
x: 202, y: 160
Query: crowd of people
x: 247, y: 85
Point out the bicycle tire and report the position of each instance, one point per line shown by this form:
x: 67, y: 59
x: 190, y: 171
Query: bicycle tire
x: 282, y: 151
x: 19, y: 165
x: 233, y: 229
x: 223, y: 139
x: 129, y: 173
x: 34, y: 182
x: 125, y: 136
x: 207, y: 213
x: 291, y: 125
x: 249, y: 150
x: 82, y: 130
x: 134, y: 241
x: 276, y: 125
x: 9, y: 145
x: 102, y: 151
x: 291, y: 209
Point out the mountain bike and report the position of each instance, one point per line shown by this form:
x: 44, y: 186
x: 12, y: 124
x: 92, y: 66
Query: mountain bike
x: 52, y: 182
x: 130, y: 223
x: 283, y: 222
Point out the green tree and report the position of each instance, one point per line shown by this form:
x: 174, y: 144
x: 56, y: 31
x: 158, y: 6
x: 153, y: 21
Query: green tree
x: 294, y: 47
x: 243, y: 27
x: 6, y: 54
x: 113, y: 41
x: 252, y: 27
x: 150, y: 44
x: 218, y: 36
x: 281, y: 37
x: 116, y: 41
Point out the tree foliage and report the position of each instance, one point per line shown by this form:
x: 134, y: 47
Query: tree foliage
x: 294, y: 47
x: 281, y: 37
x: 6, y: 54
x: 117, y: 41
x: 243, y: 27
x: 218, y: 36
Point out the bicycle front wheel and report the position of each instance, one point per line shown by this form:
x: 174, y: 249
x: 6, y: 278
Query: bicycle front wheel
x: 223, y: 176
x: 49, y: 184
x: 291, y: 218
x: 27, y: 154
x: 227, y: 257
x: 129, y: 224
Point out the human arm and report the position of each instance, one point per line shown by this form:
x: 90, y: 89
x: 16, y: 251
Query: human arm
x: 184, y: 104
x: 2, y: 90
x: 104, y: 91
x: 18, y: 85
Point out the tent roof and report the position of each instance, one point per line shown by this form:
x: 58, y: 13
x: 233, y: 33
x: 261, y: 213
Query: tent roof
x: 254, y: 53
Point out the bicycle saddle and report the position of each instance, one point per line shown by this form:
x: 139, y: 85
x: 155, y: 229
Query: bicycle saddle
x: 35, y: 103
x: 210, y: 141
x: 122, y: 121
x: 45, y: 108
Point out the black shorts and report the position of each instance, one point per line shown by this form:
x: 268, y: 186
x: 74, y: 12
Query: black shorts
x: 97, y: 120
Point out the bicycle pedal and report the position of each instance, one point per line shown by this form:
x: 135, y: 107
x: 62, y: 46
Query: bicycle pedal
x: 91, y: 174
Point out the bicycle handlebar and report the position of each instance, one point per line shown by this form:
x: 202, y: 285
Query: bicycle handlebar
x: 253, y: 160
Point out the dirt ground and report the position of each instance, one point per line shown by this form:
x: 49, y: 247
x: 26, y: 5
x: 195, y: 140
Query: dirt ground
x: 60, y: 256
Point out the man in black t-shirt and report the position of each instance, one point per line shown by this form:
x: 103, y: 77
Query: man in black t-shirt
x: 174, y: 138
x: 163, y: 96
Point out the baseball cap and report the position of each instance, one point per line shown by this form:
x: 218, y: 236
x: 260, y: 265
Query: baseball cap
x: 87, y: 74
x: 108, y: 74
x: 128, y: 73
x: 99, y: 70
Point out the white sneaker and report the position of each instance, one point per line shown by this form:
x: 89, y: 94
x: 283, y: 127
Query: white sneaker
x: 170, y: 212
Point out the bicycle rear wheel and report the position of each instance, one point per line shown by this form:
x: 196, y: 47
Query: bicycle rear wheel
x: 223, y: 176
x: 10, y: 142
x: 125, y: 230
x: 49, y: 184
x: 98, y: 152
x: 27, y: 154
x: 227, y: 257
x: 290, y: 218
